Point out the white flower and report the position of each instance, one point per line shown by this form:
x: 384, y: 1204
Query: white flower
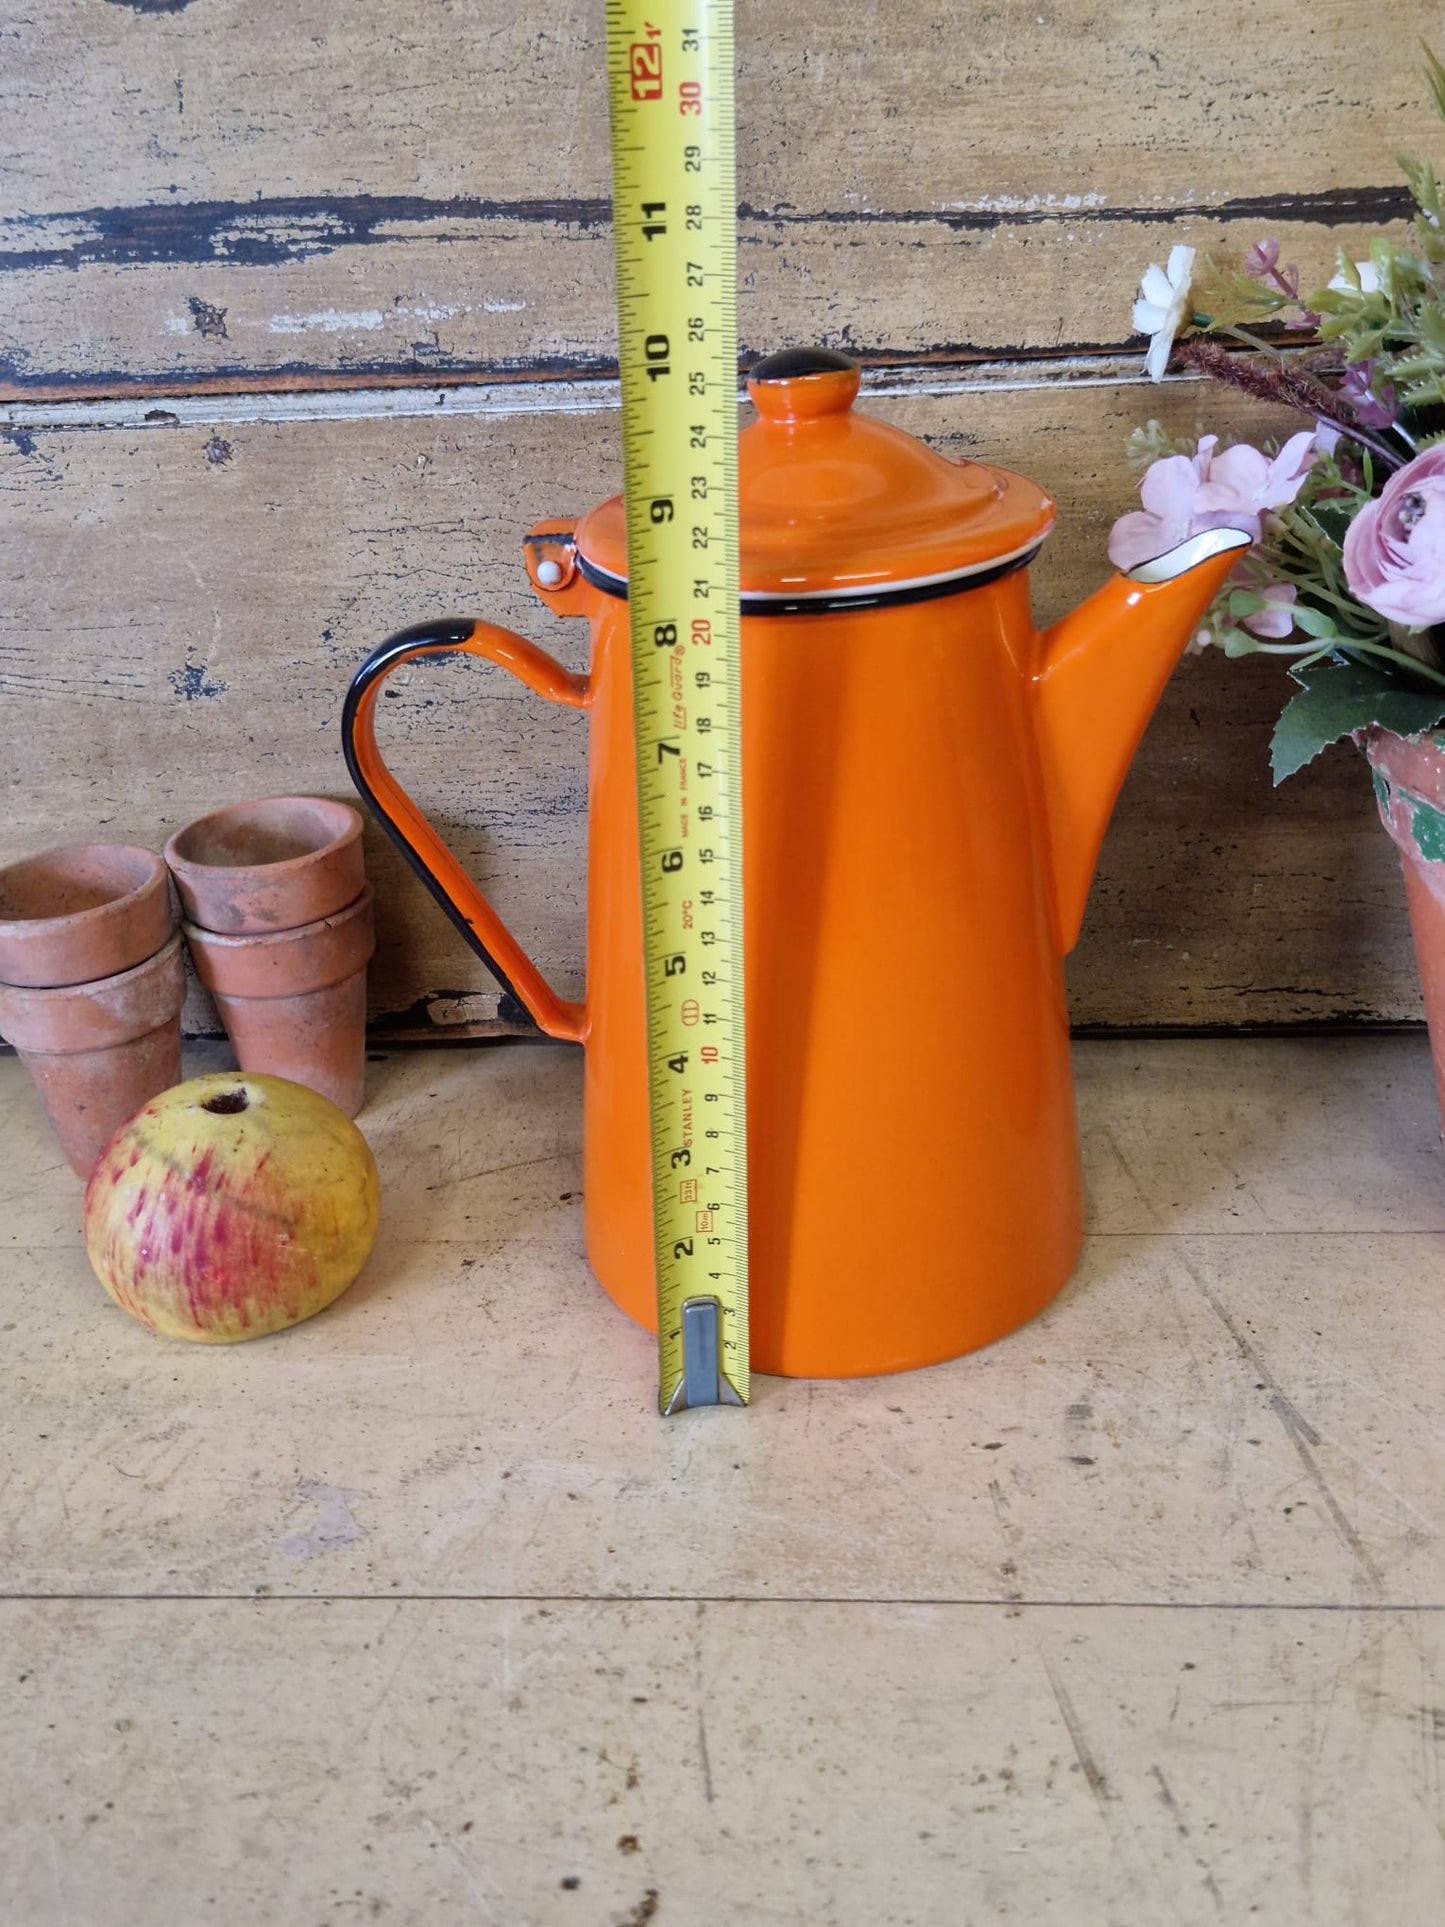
x: 1163, y: 306
x: 1369, y: 279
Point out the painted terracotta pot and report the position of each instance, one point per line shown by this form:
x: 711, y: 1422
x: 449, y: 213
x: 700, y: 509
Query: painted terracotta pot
x: 1409, y: 775
x: 294, y: 1001
x: 98, y: 1051
x: 274, y: 864
x: 83, y: 912
x: 925, y: 783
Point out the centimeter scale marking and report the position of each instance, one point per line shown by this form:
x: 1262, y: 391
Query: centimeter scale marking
x: 670, y: 82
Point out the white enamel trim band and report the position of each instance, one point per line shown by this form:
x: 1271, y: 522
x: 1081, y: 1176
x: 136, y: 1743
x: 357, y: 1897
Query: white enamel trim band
x: 860, y: 590
x: 1179, y: 561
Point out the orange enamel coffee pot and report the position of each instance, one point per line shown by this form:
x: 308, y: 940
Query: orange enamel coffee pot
x: 926, y: 780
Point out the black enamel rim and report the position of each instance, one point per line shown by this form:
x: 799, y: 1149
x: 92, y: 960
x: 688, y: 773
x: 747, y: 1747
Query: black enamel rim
x: 437, y: 640
x: 843, y: 602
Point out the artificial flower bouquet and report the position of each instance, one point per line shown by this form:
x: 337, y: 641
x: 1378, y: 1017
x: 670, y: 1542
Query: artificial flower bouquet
x: 1347, y: 570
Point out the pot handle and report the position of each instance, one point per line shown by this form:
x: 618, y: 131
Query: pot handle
x: 418, y: 842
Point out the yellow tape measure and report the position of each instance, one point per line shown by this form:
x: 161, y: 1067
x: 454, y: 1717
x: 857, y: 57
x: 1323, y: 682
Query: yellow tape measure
x: 670, y: 78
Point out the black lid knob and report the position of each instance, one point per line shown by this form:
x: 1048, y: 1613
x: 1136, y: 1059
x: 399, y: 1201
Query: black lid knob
x: 791, y: 364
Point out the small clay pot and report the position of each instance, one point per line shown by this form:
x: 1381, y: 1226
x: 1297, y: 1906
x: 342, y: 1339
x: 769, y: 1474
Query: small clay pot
x: 270, y: 865
x: 294, y: 1001
x: 96, y: 1052
x: 86, y: 911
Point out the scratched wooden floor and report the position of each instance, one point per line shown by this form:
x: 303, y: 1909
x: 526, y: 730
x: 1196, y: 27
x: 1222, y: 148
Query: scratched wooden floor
x: 418, y: 1615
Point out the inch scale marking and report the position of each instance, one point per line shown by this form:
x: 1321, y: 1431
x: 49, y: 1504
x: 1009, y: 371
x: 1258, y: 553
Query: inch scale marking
x: 670, y: 84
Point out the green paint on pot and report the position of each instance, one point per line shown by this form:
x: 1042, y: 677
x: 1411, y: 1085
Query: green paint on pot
x: 1382, y: 789
x: 1428, y: 829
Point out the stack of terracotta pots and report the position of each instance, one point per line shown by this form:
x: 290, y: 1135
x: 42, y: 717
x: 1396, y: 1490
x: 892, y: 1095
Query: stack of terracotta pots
x: 279, y: 925
x: 91, y: 986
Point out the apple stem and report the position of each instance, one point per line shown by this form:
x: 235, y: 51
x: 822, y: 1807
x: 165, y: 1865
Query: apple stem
x: 226, y: 1103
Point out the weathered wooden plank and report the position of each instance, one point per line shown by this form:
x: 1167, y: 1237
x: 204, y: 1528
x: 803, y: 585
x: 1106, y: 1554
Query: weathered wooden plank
x: 232, y: 193
x: 848, y: 106
x: 184, y: 605
x: 457, y: 298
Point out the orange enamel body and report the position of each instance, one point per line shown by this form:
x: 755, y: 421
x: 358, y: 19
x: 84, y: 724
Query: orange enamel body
x: 913, y: 1170
x: 926, y: 782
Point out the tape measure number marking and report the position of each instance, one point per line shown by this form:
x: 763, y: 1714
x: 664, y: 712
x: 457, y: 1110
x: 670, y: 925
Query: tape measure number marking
x: 670, y: 74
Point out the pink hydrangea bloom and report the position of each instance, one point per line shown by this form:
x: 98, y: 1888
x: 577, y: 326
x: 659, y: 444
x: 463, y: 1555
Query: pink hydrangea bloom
x: 1395, y: 547
x: 1184, y: 494
x: 1275, y: 622
x: 1246, y: 482
x: 1169, y: 491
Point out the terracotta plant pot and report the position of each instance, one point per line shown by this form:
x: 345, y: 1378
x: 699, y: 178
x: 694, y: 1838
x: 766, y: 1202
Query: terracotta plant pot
x: 268, y: 865
x: 294, y: 1001
x: 86, y: 911
x: 97, y: 1051
x: 1410, y: 790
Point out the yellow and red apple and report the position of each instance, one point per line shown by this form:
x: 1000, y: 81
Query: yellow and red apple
x: 231, y: 1206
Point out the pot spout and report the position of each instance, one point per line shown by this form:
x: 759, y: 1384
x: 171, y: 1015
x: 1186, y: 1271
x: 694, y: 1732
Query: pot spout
x: 1099, y: 674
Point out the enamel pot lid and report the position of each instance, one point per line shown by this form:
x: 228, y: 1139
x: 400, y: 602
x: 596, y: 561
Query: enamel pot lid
x: 839, y: 510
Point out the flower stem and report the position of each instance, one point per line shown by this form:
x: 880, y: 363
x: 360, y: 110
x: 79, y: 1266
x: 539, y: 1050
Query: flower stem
x: 1317, y: 588
x: 1412, y: 663
x: 1282, y: 382
x: 1289, y: 648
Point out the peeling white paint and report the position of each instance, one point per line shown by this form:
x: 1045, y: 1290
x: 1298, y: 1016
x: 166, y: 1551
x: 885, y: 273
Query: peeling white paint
x: 178, y: 324
x: 541, y: 397
x: 334, y: 321
x: 331, y: 321
x: 1025, y: 203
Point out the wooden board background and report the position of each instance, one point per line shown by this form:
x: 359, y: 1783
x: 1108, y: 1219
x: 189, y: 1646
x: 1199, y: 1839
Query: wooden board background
x: 304, y: 317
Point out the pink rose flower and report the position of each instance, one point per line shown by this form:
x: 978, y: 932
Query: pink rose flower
x: 1395, y: 547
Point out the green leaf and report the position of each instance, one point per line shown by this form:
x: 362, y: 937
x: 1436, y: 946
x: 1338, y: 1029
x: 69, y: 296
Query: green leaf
x: 1152, y: 443
x: 1334, y: 518
x: 1435, y: 77
x: 1423, y: 394
x: 1314, y: 622
x: 1245, y: 602
x: 1338, y: 698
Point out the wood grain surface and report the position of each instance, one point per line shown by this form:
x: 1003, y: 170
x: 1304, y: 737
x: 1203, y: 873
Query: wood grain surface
x: 225, y: 191
x: 357, y: 271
